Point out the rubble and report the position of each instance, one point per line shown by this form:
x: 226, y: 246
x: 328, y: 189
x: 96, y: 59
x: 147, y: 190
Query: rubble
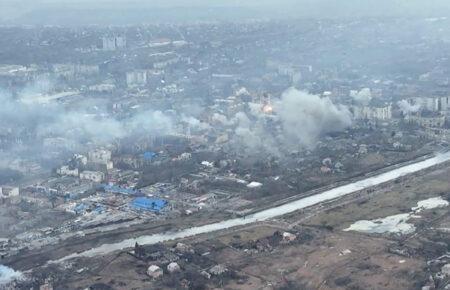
x: 288, y: 237
x: 218, y: 270
x: 173, y: 267
x: 155, y: 272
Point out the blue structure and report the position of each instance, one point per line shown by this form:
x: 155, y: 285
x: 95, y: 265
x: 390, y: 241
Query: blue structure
x: 99, y: 209
x: 149, y: 204
x: 149, y: 155
x: 118, y: 189
x: 80, y: 208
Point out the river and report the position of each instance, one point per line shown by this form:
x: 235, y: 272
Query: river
x: 268, y: 213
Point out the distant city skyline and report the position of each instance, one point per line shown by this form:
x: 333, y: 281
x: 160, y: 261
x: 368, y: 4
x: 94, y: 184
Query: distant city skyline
x: 78, y: 11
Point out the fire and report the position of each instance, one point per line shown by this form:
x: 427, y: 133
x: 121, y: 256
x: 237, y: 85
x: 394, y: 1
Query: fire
x: 267, y: 109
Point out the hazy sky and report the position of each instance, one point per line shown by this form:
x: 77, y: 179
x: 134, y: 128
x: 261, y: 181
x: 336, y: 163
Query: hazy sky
x: 29, y: 10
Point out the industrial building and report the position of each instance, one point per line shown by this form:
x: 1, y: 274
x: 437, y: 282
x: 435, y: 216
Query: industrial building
x: 149, y: 204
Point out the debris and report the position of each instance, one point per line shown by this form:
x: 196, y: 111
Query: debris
x: 154, y: 271
x: 345, y: 252
x: 183, y: 248
x: 218, y: 270
x: 288, y: 237
x: 46, y: 286
x: 79, y: 271
x: 205, y: 274
x: 173, y: 267
x: 446, y: 270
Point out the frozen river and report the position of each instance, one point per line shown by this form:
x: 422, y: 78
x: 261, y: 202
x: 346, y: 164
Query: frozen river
x: 268, y: 213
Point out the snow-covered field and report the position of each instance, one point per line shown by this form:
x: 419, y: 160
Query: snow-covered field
x: 392, y: 224
x: 269, y: 213
x: 397, y: 224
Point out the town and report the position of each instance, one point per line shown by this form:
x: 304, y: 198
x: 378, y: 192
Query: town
x: 112, y: 133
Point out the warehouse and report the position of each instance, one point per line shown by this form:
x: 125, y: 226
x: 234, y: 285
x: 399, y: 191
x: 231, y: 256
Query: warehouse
x: 149, y: 204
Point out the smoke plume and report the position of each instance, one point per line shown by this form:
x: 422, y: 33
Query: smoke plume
x: 305, y: 117
x: 362, y: 97
x: 299, y: 119
x: 34, y: 122
x: 408, y: 108
x: 7, y: 275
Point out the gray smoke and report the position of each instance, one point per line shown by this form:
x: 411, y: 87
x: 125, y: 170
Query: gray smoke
x: 408, y: 108
x: 195, y: 123
x: 299, y: 120
x: 362, y: 97
x: 253, y: 136
x: 305, y: 117
x: 220, y: 119
x: 85, y: 124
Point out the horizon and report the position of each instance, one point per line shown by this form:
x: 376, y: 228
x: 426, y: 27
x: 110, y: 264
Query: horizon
x: 120, y: 12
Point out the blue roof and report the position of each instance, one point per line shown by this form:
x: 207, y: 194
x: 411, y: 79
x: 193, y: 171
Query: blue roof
x: 99, y: 209
x: 80, y: 208
x: 150, y: 204
x: 149, y: 155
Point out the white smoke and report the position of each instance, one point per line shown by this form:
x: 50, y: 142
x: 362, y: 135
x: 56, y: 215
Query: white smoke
x: 150, y: 122
x: 221, y: 119
x: 362, y: 97
x: 252, y: 136
x: 299, y: 120
x: 255, y: 109
x: 408, y: 108
x: 195, y: 123
x: 8, y: 275
x: 85, y: 123
x: 242, y: 92
x: 305, y: 117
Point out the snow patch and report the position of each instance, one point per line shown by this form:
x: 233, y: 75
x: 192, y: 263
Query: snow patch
x: 254, y: 184
x: 397, y: 224
x: 207, y: 164
x: 434, y: 202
